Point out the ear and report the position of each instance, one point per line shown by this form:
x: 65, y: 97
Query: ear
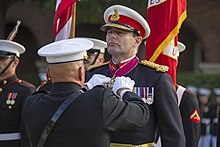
x: 138, y: 40
x: 101, y: 60
x: 81, y: 72
x: 16, y: 61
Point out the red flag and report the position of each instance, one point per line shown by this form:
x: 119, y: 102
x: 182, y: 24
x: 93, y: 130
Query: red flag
x: 63, y: 19
x: 165, y: 18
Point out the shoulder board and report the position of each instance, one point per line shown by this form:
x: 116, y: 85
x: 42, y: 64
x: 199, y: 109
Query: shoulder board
x: 25, y: 83
x: 96, y: 66
x: 158, y: 67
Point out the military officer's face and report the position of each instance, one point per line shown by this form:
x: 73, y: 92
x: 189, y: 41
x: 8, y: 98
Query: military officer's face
x: 5, y: 61
x: 122, y: 44
x: 204, y: 99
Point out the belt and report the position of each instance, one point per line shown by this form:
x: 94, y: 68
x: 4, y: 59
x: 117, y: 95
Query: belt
x: 10, y: 136
x: 130, y: 145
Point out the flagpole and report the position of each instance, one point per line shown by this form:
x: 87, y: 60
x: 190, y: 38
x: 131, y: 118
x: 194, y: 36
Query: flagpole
x: 73, y: 24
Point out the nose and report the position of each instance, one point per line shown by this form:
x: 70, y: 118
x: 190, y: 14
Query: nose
x: 111, y: 34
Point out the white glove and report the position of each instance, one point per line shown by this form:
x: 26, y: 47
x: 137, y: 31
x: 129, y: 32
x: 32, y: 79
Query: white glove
x: 97, y: 79
x: 124, y: 84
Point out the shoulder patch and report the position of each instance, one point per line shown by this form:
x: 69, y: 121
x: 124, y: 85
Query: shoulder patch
x: 96, y: 66
x: 194, y: 117
x: 25, y: 83
x: 158, y: 67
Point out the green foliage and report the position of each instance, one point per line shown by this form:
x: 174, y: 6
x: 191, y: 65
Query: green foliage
x: 199, y: 79
x: 90, y: 11
x: 47, y: 4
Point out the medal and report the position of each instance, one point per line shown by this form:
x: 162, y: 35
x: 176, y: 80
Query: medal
x: 8, y: 102
x: 11, y: 99
x: 12, y: 102
x: 150, y: 96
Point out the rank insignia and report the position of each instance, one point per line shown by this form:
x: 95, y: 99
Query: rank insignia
x: 194, y: 117
x: 146, y: 93
x: 11, y: 99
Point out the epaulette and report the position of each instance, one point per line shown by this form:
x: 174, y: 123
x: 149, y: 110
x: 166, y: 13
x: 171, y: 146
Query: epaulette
x: 158, y: 67
x: 96, y: 66
x: 25, y: 83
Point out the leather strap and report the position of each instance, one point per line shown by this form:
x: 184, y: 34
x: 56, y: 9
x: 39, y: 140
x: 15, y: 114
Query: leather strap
x: 56, y: 116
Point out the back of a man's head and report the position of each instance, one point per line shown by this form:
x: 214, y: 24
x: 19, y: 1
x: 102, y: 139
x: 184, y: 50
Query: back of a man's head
x: 66, y: 59
x: 67, y: 72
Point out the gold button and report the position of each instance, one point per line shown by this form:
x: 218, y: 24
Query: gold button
x: 4, y: 82
x: 1, y: 89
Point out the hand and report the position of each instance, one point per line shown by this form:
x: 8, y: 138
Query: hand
x: 121, y: 84
x: 97, y: 79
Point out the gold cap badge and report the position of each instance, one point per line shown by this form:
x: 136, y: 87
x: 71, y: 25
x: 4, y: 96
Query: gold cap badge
x: 115, y: 16
x: 85, y: 56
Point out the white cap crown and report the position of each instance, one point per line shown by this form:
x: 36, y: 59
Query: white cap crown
x: 66, y: 50
x: 11, y: 47
x: 98, y: 44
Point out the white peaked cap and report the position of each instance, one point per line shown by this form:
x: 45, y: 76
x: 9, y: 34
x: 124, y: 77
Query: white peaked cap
x: 98, y: 44
x: 217, y: 91
x: 67, y: 50
x: 181, y: 46
x: 192, y: 88
x: 204, y: 91
x: 11, y: 47
x: 121, y: 17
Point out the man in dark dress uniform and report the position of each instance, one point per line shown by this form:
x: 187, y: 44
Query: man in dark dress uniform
x: 96, y: 53
x: 215, y: 111
x: 87, y: 120
x: 13, y: 92
x: 206, y: 115
x: 125, y: 30
x: 218, y: 129
x: 189, y: 109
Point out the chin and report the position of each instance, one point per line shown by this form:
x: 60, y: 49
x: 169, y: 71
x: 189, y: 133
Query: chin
x: 113, y: 50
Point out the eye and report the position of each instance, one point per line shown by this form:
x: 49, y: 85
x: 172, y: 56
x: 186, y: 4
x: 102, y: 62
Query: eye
x: 120, y: 33
x: 109, y: 31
